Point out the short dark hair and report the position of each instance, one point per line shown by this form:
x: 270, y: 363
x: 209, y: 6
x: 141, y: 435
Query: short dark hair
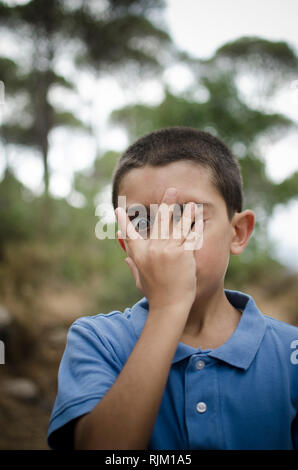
x: 172, y: 144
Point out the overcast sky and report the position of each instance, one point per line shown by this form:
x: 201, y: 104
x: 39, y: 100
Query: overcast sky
x: 200, y: 27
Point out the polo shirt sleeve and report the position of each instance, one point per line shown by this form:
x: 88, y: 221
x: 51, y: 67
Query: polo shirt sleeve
x: 88, y: 368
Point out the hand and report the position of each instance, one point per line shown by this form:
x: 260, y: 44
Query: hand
x: 164, y: 271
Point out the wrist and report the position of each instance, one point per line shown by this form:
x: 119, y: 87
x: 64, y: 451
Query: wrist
x: 163, y: 314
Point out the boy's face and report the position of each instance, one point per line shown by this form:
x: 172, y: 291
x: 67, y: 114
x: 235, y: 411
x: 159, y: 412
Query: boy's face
x: 221, y: 237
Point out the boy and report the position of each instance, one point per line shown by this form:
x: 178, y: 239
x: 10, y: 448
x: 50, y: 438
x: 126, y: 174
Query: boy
x: 191, y: 365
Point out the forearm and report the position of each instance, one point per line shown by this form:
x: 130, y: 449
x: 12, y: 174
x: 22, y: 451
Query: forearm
x: 125, y: 417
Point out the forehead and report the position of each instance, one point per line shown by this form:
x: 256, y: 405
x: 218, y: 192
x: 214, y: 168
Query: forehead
x: 148, y: 184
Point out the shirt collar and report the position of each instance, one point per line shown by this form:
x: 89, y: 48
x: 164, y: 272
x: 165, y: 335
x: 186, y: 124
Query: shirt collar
x: 239, y: 350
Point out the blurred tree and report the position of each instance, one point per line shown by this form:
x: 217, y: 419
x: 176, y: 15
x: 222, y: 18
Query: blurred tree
x: 98, y: 176
x: 99, y: 36
x: 13, y: 214
x: 268, y: 65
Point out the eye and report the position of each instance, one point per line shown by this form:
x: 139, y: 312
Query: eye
x: 204, y: 221
x: 141, y: 224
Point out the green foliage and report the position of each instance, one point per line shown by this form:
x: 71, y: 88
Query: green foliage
x: 99, y: 37
x: 15, y: 215
x: 255, y: 266
x: 287, y: 189
x: 9, y: 74
x: 267, y: 56
x: 90, y: 182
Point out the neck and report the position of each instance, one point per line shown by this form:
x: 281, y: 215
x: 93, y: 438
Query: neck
x: 211, y: 320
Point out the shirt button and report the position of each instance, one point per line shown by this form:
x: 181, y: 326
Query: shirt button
x: 200, y: 365
x: 201, y: 407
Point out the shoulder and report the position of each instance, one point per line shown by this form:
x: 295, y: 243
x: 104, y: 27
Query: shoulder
x: 280, y: 353
x: 113, y: 332
x: 116, y: 324
x: 103, y: 323
x: 283, y: 337
x: 283, y: 329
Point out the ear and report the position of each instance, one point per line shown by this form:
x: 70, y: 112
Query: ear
x: 242, y: 226
x: 121, y: 241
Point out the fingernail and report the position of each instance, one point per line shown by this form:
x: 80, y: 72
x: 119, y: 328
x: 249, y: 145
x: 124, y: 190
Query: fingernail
x: 172, y: 192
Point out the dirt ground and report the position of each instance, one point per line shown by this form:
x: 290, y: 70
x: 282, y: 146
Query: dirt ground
x: 24, y: 420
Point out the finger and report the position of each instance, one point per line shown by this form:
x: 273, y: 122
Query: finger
x: 120, y: 236
x: 127, y: 230
x: 134, y: 271
x: 126, y: 227
x: 194, y: 240
x: 182, y: 227
x: 163, y: 218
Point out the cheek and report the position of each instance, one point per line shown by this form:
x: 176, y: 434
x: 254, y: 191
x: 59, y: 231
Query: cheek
x: 214, y: 254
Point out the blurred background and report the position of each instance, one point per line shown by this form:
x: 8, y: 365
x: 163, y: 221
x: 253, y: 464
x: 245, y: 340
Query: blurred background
x: 79, y: 81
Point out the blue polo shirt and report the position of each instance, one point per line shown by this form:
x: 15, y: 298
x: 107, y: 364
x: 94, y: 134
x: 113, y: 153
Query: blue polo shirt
x: 241, y: 395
